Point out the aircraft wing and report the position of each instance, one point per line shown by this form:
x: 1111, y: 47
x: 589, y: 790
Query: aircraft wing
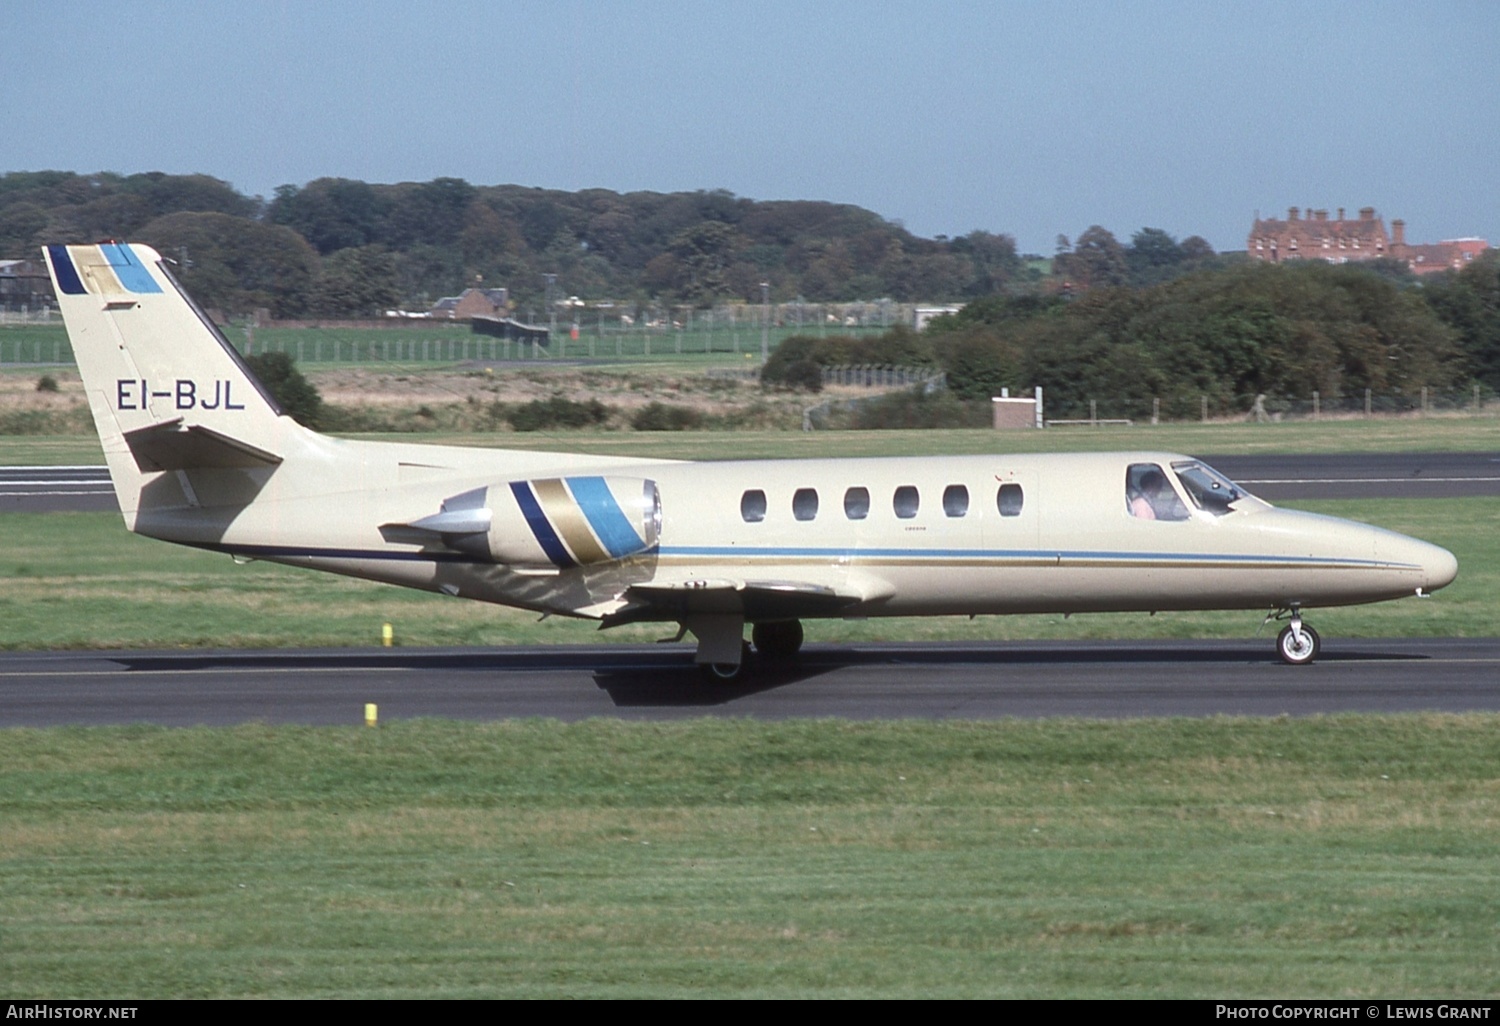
x: 754, y: 599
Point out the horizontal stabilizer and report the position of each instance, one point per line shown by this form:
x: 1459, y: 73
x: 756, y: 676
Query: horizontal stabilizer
x: 171, y: 445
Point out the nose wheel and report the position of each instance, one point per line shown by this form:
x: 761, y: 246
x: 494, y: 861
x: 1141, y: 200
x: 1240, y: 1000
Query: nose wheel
x: 1298, y: 644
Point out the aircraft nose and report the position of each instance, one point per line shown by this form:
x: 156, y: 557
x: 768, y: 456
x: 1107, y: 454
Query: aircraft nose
x: 1439, y: 566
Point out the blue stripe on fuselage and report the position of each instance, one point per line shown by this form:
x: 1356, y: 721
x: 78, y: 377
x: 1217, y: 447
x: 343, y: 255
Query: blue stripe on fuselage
x: 605, y: 516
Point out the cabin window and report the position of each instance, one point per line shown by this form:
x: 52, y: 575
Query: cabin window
x: 753, y: 506
x: 857, y: 503
x: 1009, y: 500
x: 906, y: 502
x: 805, y: 503
x: 955, y: 500
x: 1149, y: 494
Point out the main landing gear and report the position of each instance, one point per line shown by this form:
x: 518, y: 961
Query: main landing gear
x: 1297, y: 644
x: 776, y: 641
x: 779, y: 639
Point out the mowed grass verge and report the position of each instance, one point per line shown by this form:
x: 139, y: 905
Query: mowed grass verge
x: 1346, y: 856
x: 80, y: 580
x: 1350, y: 435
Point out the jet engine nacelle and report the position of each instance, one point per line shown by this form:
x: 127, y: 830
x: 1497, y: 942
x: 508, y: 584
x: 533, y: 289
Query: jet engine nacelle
x: 554, y: 522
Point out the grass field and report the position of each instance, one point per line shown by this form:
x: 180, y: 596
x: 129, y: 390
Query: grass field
x: 717, y: 344
x: 1394, y: 434
x: 1351, y: 857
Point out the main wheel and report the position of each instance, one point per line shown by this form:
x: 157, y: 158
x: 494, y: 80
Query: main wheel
x: 779, y: 639
x: 1296, y: 651
x: 728, y: 673
x: 722, y: 673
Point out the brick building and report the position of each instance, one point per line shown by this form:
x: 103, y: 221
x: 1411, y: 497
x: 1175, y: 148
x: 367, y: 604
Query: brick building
x: 1344, y: 240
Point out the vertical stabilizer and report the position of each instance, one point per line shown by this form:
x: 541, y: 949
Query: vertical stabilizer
x: 155, y: 368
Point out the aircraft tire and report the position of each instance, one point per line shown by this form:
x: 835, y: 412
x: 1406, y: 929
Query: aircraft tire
x: 722, y: 673
x: 778, y: 639
x: 1294, y: 654
x: 728, y: 673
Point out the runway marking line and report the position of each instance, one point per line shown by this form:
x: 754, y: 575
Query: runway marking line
x: 203, y: 672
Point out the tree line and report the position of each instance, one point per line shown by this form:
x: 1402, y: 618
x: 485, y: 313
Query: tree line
x: 1153, y: 316
x: 341, y: 247
x: 1221, y: 332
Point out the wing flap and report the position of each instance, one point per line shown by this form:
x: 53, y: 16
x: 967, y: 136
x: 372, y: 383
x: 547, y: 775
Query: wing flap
x: 755, y: 600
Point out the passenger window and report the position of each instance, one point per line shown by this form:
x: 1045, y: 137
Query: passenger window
x: 1009, y: 500
x: 857, y: 503
x: 1150, y: 496
x: 905, y: 502
x: 805, y: 503
x: 955, y: 500
x: 753, y: 506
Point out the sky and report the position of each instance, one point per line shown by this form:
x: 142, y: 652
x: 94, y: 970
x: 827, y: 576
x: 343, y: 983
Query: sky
x: 1026, y: 118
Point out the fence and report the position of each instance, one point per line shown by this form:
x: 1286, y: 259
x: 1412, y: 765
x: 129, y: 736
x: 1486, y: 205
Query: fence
x: 869, y: 375
x: 640, y: 331
x: 25, y: 316
x: 1266, y: 408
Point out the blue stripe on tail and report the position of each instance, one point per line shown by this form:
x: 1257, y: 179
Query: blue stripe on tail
x: 67, y: 274
x: 128, y: 268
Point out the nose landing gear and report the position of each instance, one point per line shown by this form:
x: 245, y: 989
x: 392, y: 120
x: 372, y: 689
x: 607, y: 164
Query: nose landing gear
x: 1297, y: 644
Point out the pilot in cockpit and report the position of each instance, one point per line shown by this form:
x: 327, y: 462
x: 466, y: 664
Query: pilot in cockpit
x: 1149, y: 496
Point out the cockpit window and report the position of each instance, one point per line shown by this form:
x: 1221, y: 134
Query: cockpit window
x: 1210, y: 490
x: 1150, y: 496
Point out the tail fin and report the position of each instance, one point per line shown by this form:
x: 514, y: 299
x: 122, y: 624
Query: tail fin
x: 167, y: 390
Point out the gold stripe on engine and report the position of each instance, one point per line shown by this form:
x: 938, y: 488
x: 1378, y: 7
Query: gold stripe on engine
x: 568, y: 521
x: 95, y: 273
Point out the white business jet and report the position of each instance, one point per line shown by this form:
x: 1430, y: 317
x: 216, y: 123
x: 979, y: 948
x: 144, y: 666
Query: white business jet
x: 201, y: 455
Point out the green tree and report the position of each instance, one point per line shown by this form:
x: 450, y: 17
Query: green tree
x: 297, y: 396
x: 1097, y: 259
x: 1469, y: 302
x: 356, y: 282
x: 235, y: 264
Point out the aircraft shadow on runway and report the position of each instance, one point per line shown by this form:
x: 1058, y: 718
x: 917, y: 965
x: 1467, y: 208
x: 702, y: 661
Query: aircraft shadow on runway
x: 643, y: 677
x: 683, y: 685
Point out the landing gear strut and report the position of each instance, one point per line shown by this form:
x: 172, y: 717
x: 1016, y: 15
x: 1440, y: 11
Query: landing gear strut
x: 1297, y: 644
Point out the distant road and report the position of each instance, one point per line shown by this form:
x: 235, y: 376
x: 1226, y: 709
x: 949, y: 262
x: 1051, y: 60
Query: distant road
x: 55, y: 489
x: 1425, y: 475
x: 1094, y: 679
x: 1439, y: 475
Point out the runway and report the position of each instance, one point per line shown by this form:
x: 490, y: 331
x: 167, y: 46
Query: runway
x: 644, y: 682
x: 1424, y: 475
x: 56, y: 489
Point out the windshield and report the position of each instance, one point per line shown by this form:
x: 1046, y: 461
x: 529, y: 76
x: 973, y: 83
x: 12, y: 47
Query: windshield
x: 1210, y: 490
